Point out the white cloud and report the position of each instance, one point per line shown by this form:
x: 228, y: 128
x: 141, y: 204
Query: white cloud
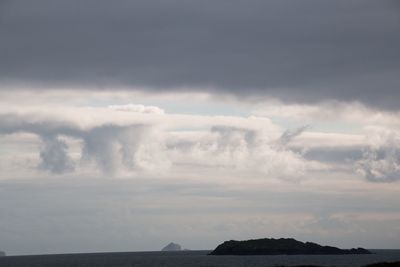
x: 138, y: 108
x: 332, y: 111
x: 252, y: 151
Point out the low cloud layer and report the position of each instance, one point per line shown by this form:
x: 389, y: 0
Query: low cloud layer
x: 144, y: 139
x: 298, y: 51
x: 134, y: 147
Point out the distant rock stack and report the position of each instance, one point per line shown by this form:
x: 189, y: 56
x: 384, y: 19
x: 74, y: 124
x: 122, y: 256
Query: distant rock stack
x: 172, y: 247
x: 2, y: 253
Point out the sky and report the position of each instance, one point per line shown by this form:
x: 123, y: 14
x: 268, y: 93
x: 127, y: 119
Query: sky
x: 128, y: 125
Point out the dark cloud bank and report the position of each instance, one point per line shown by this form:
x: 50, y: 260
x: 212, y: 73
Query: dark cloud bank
x: 301, y: 51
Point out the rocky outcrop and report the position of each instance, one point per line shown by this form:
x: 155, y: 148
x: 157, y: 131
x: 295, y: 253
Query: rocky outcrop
x: 2, y: 253
x: 286, y: 246
x: 172, y: 247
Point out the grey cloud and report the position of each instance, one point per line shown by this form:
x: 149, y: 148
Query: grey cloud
x: 381, y: 159
x: 289, y: 135
x: 380, y: 165
x: 54, y: 156
x: 298, y: 51
x: 338, y: 154
x: 12, y: 123
x: 230, y: 137
x: 109, y: 146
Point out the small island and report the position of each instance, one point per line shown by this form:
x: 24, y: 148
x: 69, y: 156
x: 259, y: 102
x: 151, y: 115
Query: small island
x: 2, y: 254
x: 282, y: 246
x: 172, y: 247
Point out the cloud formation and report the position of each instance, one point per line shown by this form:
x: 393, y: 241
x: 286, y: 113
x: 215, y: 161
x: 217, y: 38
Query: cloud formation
x: 54, y: 156
x: 136, y: 147
x: 381, y: 160
x: 254, y: 152
x: 118, y: 143
x: 302, y: 51
x: 132, y: 147
x: 289, y: 135
x: 110, y: 146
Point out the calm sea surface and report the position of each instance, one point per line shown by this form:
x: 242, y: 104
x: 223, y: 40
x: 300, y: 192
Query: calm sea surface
x: 192, y: 258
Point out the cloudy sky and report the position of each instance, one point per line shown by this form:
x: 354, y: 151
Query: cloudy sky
x: 127, y: 125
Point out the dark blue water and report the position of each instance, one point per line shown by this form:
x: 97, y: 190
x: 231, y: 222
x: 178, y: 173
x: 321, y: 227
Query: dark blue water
x: 193, y: 258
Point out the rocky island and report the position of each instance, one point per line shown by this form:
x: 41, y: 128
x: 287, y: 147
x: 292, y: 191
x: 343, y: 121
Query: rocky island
x: 285, y: 246
x: 2, y: 254
x: 172, y: 247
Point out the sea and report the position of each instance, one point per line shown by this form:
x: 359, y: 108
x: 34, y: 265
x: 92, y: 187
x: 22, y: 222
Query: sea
x: 193, y: 258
